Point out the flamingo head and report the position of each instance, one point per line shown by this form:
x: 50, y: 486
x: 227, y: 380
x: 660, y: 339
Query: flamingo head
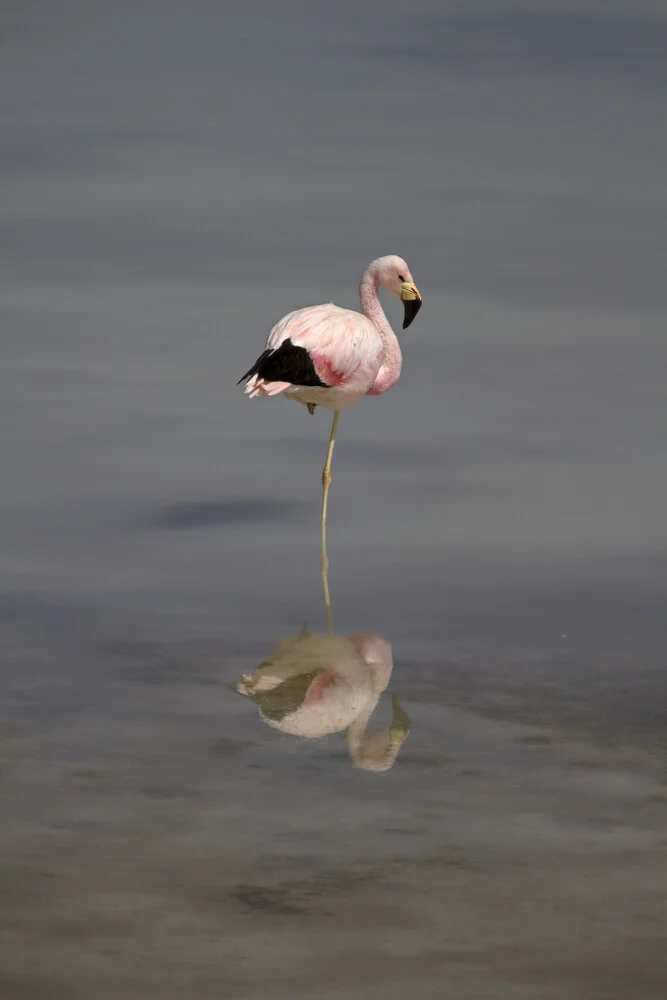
x: 379, y: 752
x: 394, y: 274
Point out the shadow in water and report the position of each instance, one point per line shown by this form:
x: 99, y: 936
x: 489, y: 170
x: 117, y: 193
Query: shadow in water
x: 314, y: 685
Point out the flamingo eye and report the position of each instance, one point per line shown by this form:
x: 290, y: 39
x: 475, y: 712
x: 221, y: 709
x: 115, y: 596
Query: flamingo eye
x: 401, y: 277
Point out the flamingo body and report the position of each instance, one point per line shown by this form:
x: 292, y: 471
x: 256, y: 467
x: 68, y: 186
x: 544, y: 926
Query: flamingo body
x: 328, y: 356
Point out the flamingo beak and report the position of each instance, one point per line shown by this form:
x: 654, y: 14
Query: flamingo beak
x: 400, y: 724
x: 412, y: 302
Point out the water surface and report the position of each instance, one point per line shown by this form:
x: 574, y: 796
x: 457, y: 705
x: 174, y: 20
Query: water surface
x: 173, y: 182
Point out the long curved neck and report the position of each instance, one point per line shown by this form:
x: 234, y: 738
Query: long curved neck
x: 356, y: 731
x: 371, y: 307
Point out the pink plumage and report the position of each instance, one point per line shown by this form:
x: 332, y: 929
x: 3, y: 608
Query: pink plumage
x: 343, y: 347
x: 328, y: 356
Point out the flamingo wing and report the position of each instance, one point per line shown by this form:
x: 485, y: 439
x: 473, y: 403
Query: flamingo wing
x: 285, y: 365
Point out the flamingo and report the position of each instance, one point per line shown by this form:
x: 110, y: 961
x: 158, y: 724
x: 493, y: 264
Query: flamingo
x: 331, y: 357
x: 314, y: 685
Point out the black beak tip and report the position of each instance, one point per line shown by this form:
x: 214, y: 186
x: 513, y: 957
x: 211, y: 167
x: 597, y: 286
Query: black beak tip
x: 410, y: 309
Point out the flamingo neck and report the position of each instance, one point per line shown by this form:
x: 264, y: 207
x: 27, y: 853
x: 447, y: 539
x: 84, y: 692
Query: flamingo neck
x: 371, y: 307
x: 356, y: 731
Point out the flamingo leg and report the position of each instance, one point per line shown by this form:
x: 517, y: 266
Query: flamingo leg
x: 326, y: 483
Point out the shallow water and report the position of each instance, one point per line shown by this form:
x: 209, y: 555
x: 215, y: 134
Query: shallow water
x: 498, y: 517
x: 158, y: 838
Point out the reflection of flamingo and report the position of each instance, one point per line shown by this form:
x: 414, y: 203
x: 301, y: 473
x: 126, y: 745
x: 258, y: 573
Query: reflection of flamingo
x: 331, y: 357
x: 313, y: 685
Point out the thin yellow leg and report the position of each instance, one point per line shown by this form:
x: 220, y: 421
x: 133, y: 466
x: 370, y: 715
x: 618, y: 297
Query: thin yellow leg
x: 326, y: 483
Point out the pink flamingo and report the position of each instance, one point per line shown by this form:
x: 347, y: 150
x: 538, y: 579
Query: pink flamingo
x: 331, y: 357
x: 314, y: 685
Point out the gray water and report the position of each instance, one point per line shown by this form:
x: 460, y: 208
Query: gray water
x: 174, y: 179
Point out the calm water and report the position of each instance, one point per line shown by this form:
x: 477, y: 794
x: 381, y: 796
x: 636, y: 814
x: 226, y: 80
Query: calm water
x: 173, y: 182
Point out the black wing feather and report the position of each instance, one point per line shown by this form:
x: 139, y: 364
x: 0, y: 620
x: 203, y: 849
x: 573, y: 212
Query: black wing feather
x: 287, y: 363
